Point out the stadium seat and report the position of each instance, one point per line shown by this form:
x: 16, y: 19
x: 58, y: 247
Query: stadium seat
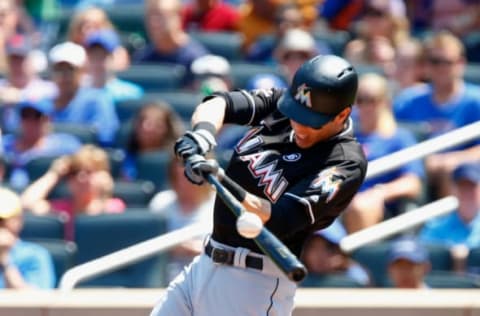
x: 472, y: 73
x: 226, y: 44
x: 153, y: 167
x: 49, y: 226
x: 63, y: 253
x: 155, y: 76
x: 448, y: 279
x: 473, y: 260
x: 86, y: 134
x: 100, y: 235
x: 136, y: 193
x: 330, y: 280
x: 38, y: 166
x: 241, y: 72
x: 183, y: 102
x: 115, y: 158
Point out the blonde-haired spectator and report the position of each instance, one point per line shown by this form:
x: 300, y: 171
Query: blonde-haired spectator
x: 380, y: 197
x: 87, y: 174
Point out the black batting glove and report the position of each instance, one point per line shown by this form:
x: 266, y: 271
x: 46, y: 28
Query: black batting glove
x: 199, y: 142
x: 197, y: 168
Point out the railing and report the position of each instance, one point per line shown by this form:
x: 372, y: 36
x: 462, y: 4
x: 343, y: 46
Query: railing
x: 379, y: 166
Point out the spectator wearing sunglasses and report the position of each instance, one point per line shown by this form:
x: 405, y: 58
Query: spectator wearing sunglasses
x: 34, y: 140
x: 386, y: 195
x: 445, y: 104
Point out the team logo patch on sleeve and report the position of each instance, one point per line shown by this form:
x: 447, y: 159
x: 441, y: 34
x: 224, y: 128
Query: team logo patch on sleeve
x: 328, y: 181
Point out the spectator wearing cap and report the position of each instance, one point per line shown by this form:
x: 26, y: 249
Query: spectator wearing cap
x: 211, y: 73
x: 100, y: 46
x: 295, y: 47
x: 408, y: 264
x: 169, y: 42
x: 322, y: 255
x: 76, y: 104
x: 22, y: 264
x: 22, y: 80
x: 90, y: 19
x: 288, y: 16
x: 209, y: 16
x: 461, y: 227
x: 35, y: 139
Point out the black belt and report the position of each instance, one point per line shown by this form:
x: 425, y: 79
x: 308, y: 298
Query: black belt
x: 224, y: 256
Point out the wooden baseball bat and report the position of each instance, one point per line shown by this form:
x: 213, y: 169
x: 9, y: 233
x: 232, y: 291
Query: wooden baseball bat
x: 270, y: 245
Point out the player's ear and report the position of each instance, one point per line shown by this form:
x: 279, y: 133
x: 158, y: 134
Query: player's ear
x: 343, y: 115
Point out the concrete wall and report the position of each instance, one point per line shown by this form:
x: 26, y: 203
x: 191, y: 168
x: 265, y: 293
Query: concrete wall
x: 309, y: 302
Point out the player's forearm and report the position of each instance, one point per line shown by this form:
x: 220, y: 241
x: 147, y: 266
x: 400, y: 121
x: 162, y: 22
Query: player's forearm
x: 211, y: 111
x: 408, y: 186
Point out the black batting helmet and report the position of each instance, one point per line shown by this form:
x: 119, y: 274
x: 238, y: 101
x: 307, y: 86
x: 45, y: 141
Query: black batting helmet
x: 322, y: 87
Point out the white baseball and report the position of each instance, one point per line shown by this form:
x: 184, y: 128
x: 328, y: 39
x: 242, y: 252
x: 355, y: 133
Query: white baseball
x: 249, y: 225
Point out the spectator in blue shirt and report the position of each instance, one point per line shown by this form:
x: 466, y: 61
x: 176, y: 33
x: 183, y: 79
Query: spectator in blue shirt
x: 461, y: 227
x: 100, y: 46
x: 80, y: 105
x: 447, y: 103
x: 22, y: 264
x: 169, y: 42
x: 34, y: 140
x: 382, y: 196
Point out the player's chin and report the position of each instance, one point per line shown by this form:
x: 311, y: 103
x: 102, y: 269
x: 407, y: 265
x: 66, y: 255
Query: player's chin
x: 304, y: 142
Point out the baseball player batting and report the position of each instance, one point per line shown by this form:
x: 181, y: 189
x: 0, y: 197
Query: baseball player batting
x: 297, y: 168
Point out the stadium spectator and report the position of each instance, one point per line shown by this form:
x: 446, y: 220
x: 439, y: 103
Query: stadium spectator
x: 409, y: 65
x: 209, y: 16
x: 385, y: 195
x: 90, y: 187
x: 445, y: 104
x: 156, y: 127
x: 100, y: 47
x: 408, y: 264
x: 463, y: 226
x: 9, y: 21
x: 169, y: 42
x: 322, y: 255
x: 211, y: 73
x: 288, y: 16
x: 257, y: 18
x: 295, y: 47
x: 34, y: 139
x: 22, y: 264
x: 458, y: 16
x: 183, y: 204
x: 380, y: 29
x: 89, y: 20
x: 80, y: 105
x: 22, y: 81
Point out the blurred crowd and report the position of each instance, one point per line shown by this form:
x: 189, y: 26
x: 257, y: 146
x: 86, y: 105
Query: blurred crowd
x: 93, y: 93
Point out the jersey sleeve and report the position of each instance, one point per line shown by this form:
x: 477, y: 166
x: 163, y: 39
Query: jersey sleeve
x: 316, y: 200
x: 249, y: 107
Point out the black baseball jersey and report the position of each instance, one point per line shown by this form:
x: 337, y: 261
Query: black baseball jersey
x: 308, y: 188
